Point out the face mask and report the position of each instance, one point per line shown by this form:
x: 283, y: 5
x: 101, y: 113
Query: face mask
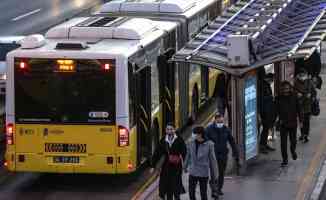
x: 219, y: 125
x: 193, y: 136
x: 302, y: 77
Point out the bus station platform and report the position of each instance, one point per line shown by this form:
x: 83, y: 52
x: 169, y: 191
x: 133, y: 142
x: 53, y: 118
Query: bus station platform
x: 266, y: 179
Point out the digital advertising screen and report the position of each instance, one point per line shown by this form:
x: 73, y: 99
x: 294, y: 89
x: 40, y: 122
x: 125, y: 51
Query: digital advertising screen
x: 250, y: 117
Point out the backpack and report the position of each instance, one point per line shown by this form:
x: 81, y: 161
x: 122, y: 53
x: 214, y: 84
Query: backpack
x: 315, y: 108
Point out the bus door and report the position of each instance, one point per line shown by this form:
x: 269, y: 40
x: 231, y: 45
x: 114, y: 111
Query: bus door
x: 167, y: 86
x: 204, y: 83
x: 143, y: 112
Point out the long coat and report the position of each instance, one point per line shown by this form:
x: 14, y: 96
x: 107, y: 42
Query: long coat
x: 171, y: 175
x: 288, y: 110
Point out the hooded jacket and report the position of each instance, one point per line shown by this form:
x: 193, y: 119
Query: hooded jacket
x: 203, y: 161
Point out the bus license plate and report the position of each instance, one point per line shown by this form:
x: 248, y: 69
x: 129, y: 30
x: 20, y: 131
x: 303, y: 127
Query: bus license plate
x: 66, y: 159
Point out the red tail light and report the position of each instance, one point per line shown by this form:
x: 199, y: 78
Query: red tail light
x: 22, y: 65
x: 107, y: 67
x: 123, y: 137
x: 10, y: 134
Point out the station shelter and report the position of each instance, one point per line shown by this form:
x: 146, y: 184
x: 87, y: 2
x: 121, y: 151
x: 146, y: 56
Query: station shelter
x: 249, y: 36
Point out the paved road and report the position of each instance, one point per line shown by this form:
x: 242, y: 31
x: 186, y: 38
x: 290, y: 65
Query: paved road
x: 32, y: 16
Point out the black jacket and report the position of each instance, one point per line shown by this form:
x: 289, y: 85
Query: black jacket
x: 171, y: 176
x: 220, y: 137
x: 288, y: 110
x: 267, y: 110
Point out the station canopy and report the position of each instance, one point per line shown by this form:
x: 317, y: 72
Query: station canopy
x: 279, y: 30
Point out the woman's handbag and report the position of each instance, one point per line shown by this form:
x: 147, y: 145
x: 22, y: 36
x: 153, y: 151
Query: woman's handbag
x: 174, y: 159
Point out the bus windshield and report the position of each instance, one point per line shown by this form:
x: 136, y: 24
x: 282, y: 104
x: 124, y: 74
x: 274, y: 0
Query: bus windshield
x: 64, y: 91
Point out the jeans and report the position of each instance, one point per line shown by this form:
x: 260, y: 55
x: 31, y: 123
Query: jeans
x: 193, y: 180
x: 292, y: 134
x: 306, y: 125
x: 264, y: 135
x: 221, y: 171
x: 170, y: 196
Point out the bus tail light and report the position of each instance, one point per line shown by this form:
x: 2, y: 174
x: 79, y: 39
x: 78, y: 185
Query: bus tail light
x: 123, y: 137
x: 23, y: 65
x: 130, y: 166
x: 10, y: 134
x: 106, y: 66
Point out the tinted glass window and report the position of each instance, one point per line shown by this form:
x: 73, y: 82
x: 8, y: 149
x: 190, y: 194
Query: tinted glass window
x: 45, y: 93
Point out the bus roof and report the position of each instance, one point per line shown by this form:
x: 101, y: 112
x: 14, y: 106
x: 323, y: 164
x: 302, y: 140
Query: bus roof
x: 123, y: 37
x: 152, y: 8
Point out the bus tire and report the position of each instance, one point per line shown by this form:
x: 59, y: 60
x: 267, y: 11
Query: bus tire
x: 194, y: 106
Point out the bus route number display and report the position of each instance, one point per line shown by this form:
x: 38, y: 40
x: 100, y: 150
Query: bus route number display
x: 250, y: 117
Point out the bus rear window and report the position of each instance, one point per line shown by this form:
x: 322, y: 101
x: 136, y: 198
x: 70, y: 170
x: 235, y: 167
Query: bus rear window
x: 64, y: 91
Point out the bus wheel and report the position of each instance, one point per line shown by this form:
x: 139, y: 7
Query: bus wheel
x: 194, y: 106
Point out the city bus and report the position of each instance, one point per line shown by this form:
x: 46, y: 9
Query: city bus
x: 93, y: 95
x: 192, y: 16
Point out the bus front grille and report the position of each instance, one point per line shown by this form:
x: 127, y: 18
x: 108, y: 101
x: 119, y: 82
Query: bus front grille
x: 65, y: 148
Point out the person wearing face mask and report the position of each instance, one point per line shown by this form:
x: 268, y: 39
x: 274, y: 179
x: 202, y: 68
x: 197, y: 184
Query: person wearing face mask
x: 305, y: 92
x: 221, y: 135
x: 201, y: 162
x: 171, y: 151
x: 288, y: 112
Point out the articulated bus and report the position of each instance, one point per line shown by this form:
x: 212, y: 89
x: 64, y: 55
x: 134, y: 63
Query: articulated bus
x: 93, y: 95
x: 198, y: 83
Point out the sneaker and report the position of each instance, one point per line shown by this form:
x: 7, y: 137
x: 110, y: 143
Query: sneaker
x: 301, y: 138
x: 284, y: 164
x: 305, y: 139
x: 269, y: 148
x: 294, y: 156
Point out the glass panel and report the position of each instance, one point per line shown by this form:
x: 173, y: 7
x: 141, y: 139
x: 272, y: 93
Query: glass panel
x: 44, y: 94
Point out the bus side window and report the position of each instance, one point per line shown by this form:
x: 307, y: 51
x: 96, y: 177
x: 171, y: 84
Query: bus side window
x: 132, y: 99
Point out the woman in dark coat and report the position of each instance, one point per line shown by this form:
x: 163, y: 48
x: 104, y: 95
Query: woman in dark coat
x: 171, y: 151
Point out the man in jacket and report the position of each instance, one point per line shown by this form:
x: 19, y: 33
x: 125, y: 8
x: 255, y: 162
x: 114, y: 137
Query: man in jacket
x: 266, y: 112
x: 305, y: 92
x: 288, y: 112
x: 221, y: 135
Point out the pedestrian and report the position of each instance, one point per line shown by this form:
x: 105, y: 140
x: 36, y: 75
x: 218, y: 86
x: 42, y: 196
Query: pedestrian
x: 306, y: 91
x: 221, y: 93
x: 201, y: 162
x: 287, y: 111
x: 221, y: 136
x: 171, y: 152
x: 267, y: 113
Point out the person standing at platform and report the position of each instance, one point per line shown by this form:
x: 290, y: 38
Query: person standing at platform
x: 221, y: 93
x: 288, y: 112
x: 170, y: 152
x: 221, y: 136
x: 201, y: 162
x: 305, y: 92
x: 267, y: 112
